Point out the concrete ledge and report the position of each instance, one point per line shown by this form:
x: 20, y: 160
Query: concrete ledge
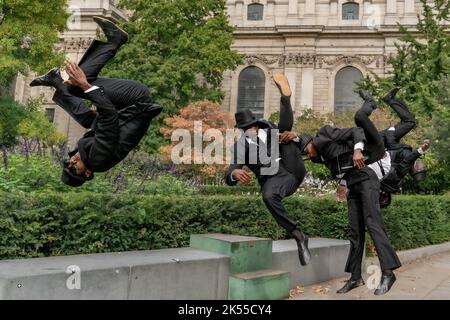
x: 408, y: 256
x: 183, y: 273
x: 328, y: 259
x: 158, y: 274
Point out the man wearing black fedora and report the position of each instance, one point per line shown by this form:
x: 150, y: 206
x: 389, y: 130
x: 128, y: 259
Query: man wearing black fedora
x: 278, y: 167
x: 121, y: 110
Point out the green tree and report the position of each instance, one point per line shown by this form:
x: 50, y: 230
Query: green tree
x: 36, y: 125
x: 440, y: 129
x: 26, y: 121
x: 423, y: 57
x: 180, y: 49
x: 28, y: 33
x: 11, y: 114
x: 421, y: 68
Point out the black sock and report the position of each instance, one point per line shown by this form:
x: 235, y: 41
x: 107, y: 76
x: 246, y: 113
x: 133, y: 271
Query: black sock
x: 297, y: 234
x: 355, y: 276
x: 387, y: 272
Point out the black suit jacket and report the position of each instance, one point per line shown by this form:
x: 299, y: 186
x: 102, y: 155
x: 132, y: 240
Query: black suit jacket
x: 241, y: 156
x: 336, y: 146
x: 391, y: 142
x: 115, y: 133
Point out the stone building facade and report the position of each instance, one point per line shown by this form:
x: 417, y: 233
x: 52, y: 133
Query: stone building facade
x: 323, y: 47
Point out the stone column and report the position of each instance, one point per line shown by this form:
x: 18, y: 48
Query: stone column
x: 410, y: 12
x: 292, y: 12
x: 310, y: 11
x: 373, y: 14
x: 333, y: 19
x: 307, y: 89
x: 391, y: 12
x: 291, y: 74
x: 270, y: 15
x: 239, y: 12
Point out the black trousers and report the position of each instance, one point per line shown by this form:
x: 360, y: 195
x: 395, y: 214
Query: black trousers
x: 121, y: 92
x: 74, y: 106
x: 403, y: 158
x: 364, y: 207
x: 364, y: 211
x: 407, y: 121
x: 375, y: 143
x: 290, y: 174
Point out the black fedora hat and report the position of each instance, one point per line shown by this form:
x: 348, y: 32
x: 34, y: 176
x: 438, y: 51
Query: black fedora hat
x: 244, y: 119
x: 418, y: 171
x: 304, y: 140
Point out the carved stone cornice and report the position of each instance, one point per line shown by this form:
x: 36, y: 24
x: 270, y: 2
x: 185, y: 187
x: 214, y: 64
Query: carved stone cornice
x: 265, y: 59
x: 367, y: 60
x: 317, y: 61
x: 75, y: 44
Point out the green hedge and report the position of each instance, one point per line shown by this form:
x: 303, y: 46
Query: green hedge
x: 73, y: 223
x: 209, y: 190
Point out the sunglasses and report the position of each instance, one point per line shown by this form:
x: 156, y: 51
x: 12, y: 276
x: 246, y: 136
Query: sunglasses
x: 70, y: 167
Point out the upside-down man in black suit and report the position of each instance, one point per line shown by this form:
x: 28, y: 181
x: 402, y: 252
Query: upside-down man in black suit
x: 119, y: 118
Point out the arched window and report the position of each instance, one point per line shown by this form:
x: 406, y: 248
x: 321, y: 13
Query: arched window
x: 350, y: 11
x: 345, y: 97
x: 255, y: 11
x: 50, y: 114
x: 251, y: 90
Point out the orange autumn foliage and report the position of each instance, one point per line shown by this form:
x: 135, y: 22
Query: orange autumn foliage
x: 211, y: 117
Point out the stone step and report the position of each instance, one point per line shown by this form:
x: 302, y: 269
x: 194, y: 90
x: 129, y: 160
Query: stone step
x: 246, y: 253
x: 259, y: 285
x: 328, y: 259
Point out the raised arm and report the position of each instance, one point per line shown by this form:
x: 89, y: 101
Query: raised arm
x: 107, y: 135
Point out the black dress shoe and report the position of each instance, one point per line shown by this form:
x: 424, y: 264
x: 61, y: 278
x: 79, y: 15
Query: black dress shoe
x: 150, y: 109
x: 365, y: 95
x: 112, y: 32
x: 390, y: 95
x: 385, y: 284
x: 368, y: 98
x: 302, y: 243
x: 51, y: 79
x: 350, y: 285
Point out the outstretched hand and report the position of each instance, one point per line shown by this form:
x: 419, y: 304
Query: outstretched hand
x: 76, y: 76
x: 341, y: 193
x: 287, y: 136
x: 242, y: 176
x: 358, y: 159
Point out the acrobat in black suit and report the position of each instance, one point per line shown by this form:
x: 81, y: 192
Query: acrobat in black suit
x: 347, y: 153
x: 121, y: 114
x: 278, y: 175
x: 402, y: 156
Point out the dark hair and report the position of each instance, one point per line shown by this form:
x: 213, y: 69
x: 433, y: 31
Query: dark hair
x: 70, y: 177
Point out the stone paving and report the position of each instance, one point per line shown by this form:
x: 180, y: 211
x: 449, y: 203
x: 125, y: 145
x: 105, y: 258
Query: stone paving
x: 422, y: 279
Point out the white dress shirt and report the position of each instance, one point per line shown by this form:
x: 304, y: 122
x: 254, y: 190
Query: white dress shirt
x: 262, y: 135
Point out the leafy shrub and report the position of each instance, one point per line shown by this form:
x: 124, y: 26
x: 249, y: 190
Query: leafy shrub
x: 73, y: 223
